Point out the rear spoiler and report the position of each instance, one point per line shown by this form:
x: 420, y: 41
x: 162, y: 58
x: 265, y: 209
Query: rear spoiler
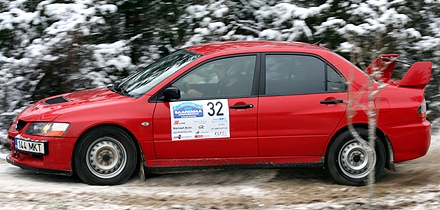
x: 417, y: 76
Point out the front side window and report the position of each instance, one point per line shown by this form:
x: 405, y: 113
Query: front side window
x: 142, y: 81
x: 300, y: 74
x: 221, y: 78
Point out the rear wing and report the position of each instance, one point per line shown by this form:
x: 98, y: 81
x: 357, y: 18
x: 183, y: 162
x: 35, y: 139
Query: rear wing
x: 417, y: 76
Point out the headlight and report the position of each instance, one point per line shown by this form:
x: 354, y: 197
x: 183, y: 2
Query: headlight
x: 47, y: 129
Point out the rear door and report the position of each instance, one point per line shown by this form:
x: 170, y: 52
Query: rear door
x: 210, y: 124
x: 302, y: 101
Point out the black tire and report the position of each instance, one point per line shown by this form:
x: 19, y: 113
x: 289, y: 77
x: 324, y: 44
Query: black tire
x: 105, y: 156
x: 347, y: 159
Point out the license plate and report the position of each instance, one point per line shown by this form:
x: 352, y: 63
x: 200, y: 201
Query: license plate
x: 35, y: 147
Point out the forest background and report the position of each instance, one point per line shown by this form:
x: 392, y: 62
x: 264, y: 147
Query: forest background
x: 56, y: 46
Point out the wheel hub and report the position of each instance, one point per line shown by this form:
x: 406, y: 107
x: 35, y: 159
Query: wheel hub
x: 357, y: 158
x: 106, y: 157
x: 354, y: 159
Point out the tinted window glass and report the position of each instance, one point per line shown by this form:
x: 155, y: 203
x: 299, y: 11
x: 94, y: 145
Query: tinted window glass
x: 335, y: 83
x: 300, y: 74
x: 221, y: 78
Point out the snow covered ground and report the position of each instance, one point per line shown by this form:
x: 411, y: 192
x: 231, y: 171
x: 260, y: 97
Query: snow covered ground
x: 3, y: 152
x: 416, y: 185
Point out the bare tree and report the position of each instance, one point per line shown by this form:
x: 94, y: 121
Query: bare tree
x: 370, y: 90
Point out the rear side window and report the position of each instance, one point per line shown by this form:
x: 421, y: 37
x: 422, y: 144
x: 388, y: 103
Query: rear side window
x: 300, y: 74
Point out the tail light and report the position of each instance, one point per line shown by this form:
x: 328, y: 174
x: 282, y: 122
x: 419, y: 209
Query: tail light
x: 421, y: 111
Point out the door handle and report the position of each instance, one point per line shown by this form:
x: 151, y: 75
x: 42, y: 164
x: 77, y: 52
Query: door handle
x: 333, y: 101
x: 242, y: 106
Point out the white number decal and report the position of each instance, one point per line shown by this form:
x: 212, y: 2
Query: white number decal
x: 199, y: 119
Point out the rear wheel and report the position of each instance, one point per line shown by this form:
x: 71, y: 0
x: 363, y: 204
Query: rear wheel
x: 348, y: 158
x: 105, y: 156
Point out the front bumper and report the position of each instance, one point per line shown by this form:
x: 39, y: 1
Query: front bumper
x: 58, y: 159
x: 10, y: 160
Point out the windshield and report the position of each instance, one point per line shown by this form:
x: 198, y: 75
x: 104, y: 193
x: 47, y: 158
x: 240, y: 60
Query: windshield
x: 142, y: 81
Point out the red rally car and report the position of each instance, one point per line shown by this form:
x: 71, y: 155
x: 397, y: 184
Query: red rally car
x: 235, y: 104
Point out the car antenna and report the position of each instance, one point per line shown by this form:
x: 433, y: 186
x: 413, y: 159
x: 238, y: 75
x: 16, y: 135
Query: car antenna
x: 319, y: 42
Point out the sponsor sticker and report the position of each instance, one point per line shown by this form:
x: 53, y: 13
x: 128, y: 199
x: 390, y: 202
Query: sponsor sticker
x: 187, y: 110
x: 199, y: 119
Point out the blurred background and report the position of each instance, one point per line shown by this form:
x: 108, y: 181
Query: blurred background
x: 56, y: 46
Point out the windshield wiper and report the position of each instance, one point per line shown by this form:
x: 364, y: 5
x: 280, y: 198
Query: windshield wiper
x: 124, y: 92
x: 115, y: 87
x: 118, y: 89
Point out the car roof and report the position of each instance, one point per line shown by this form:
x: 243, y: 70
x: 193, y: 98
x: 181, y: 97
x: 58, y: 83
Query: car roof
x: 215, y: 47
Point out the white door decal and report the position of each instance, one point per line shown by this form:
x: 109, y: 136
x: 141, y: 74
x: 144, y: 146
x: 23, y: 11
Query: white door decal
x: 199, y: 119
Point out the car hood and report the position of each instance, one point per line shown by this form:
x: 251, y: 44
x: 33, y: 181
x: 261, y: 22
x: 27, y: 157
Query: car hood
x: 49, y: 109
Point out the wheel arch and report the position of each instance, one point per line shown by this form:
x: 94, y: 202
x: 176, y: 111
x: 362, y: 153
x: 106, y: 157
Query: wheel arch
x: 389, y: 164
x: 128, y: 132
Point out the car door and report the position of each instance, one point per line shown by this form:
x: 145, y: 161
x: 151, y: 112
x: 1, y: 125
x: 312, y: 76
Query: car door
x: 211, y: 122
x: 302, y: 101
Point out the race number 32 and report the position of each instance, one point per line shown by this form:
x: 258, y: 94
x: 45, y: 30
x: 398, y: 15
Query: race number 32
x: 215, y: 109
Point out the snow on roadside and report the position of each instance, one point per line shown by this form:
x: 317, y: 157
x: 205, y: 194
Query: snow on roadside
x: 3, y: 152
x: 435, y: 141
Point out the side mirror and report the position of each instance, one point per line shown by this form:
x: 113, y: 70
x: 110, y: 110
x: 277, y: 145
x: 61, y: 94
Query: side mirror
x: 171, y: 93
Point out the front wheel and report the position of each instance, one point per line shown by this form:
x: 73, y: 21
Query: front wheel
x: 348, y: 159
x: 105, y: 156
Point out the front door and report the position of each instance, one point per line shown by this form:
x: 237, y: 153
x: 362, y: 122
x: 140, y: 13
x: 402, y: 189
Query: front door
x: 216, y: 116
